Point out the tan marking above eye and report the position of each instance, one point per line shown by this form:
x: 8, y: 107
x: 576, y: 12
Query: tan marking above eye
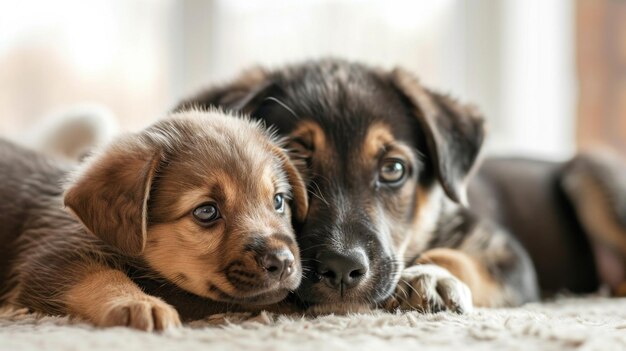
x: 308, y: 137
x: 380, y: 148
x: 270, y: 183
x: 378, y: 136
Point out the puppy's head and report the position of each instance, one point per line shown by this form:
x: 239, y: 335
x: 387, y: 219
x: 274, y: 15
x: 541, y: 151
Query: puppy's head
x: 382, y: 157
x: 205, y: 200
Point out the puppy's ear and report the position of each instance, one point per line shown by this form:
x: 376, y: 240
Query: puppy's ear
x: 253, y: 93
x: 454, y: 133
x: 110, y: 194
x: 300, y: 201
x: 243, y: 94
x: 265, y: 102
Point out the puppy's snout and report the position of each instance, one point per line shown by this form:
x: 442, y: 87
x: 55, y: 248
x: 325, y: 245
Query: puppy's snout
x: 280, y: 264
x: 342, y: 270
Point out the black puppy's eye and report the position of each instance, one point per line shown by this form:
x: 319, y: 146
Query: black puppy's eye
x: 279, y: 203
x: 206, y: 213
x: 392, y: 172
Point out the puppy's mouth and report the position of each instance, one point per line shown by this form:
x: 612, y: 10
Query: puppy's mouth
x: 252, y: 287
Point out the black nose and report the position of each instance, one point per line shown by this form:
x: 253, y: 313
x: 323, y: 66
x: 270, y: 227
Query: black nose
x: 342, y: 270
x: 279, y: 264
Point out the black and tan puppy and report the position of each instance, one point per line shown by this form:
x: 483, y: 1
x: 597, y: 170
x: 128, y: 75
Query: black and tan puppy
x: 193, y: 207
x: 387, y: 164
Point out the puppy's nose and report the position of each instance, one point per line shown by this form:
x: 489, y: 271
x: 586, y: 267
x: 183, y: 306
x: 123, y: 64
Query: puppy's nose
x: 342, y: 270
x: 279, y: 264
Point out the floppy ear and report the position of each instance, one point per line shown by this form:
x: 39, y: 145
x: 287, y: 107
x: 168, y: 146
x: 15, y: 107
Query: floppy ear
x: 263, y: 102
x: 454, y: 133
x: 110, y: 194
x: 300, y: 201
x: 253, y: 93
x: 239, y: 95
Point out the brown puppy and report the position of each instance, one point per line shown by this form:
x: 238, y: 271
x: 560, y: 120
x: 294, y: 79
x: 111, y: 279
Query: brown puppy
x: 196, y: 203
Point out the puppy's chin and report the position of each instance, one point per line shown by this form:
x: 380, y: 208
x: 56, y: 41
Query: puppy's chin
x: 263, y: 298
x: 267, y: 298
x: 265, y: 294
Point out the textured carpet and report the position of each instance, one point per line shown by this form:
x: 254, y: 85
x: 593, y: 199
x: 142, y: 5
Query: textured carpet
x: 567, y: 323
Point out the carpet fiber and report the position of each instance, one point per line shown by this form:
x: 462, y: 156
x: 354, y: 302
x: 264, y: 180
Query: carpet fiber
x: 567, y: 323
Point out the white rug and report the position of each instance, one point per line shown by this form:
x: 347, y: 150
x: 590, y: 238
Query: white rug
x: 568, y: 323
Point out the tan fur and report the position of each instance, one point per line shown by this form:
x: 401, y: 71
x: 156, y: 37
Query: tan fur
x: 107, y: 297
x: 428, y: 206
x: 298, y: 187
x: 379, y: 144
x: 594, y: 183
x: 312, y: 135
x: 378, y: 136
x: 596, y: 213
x: 485, y: 289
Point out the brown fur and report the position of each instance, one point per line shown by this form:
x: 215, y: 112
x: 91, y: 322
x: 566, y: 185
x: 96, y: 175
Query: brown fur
x: 135, y: 199
x: 108, y: 298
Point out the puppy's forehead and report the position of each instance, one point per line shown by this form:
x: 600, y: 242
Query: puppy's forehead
x: 230, y: 171
x: 345, y: 100
x: 217, y: 153
x: 233, y: 188
x: 202, y: 145
x: 377, y: 138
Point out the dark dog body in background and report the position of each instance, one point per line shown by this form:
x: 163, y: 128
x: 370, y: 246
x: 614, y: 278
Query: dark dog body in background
x: 387, y: 165
x: 526, y: 197
x: 570, y: 216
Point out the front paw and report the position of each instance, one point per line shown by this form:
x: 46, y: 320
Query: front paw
x: 143, y: 312
x: 430, y: 288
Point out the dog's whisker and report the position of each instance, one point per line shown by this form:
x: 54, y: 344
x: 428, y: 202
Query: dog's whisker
x: 312, y: 247
x: 318, y: 194
x: 283, y: 105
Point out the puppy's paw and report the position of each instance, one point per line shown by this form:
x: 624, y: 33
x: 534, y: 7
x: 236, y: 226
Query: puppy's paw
x: 144, y: 313
x: 430, y: 288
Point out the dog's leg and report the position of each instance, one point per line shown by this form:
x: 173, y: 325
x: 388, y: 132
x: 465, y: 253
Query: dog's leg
x: 430, y: 286
x: 448, y: 279
x: 595, y: 183
x: 107, y: 297
x: 486, y: 267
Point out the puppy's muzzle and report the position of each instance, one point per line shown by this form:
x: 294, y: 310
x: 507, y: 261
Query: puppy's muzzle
x: 268, y: 263
x: 342, y: 270
x: 279, y: 264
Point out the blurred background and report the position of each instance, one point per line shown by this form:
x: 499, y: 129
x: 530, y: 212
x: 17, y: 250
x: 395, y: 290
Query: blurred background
x: 550, y: 76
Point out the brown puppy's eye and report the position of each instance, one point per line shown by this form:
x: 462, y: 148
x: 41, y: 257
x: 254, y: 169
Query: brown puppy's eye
x: 206, y: 213
x: 279, y: 203
x: 392, y: 172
